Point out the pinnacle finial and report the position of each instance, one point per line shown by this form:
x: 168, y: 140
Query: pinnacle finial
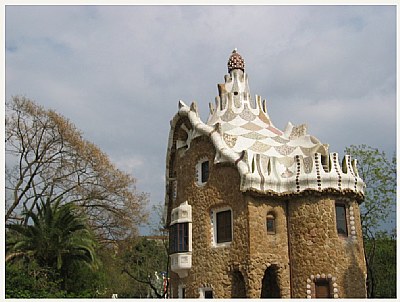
x: 235, y: 61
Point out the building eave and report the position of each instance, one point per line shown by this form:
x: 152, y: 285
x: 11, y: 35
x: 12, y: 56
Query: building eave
x: 259, y: 173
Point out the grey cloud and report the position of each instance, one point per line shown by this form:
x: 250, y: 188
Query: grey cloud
x: 118, y: 72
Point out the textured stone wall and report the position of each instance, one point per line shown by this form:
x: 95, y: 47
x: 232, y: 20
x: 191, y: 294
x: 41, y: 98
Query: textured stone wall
x: 211, y: 266
x: 267, y: 249
x: 317, y: 251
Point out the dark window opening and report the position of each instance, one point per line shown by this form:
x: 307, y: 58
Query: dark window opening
x: 224, y: 226
x: 208, y: 294
x: 204, y: 171
x: 322, y: 289
x: 236, y: 93
x: 179, y: 238
x: 183, y: 293
x: 341, y: 222
x: 271, y: 224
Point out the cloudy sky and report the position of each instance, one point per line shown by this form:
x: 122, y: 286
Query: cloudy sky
x: 118, y: 72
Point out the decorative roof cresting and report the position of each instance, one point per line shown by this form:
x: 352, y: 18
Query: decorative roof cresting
x: 268, y: 159
x: 235, y: 61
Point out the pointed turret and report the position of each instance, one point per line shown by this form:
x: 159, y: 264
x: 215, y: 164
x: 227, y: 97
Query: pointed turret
x: 234, y: 99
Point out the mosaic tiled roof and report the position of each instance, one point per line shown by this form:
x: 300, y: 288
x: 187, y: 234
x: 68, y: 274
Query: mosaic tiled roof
x: 268, y: 159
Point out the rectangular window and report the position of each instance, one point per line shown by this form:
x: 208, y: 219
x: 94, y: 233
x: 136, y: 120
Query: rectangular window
x: 181, y: 292
x: 208, y: 294
x: 322, y: 289
x: 271, y: 225
x: 224, y: 226
x: 204, y: 171
x: 341, y: 222
x: 179, y: 238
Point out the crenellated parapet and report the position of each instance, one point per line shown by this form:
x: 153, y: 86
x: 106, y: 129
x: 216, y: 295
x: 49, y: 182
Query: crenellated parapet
x: 317, y: 172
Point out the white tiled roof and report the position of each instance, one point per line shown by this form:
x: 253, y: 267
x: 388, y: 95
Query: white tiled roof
x: 268, y: 159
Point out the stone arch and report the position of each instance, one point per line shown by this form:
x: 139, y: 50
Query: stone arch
x: 238, y: 285
x: 270, y: 283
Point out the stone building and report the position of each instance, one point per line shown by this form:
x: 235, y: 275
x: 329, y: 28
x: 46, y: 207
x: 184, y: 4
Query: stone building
x: 257, y: 212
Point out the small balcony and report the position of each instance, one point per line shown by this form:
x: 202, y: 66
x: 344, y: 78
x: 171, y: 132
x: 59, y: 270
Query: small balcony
x: 181, y: 263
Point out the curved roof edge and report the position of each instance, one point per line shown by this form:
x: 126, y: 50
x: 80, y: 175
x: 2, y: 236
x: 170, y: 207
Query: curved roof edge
x: 266, y: 174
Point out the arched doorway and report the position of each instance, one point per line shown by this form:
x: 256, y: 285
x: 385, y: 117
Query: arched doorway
x: 270, y: 286
x: 238, y: 285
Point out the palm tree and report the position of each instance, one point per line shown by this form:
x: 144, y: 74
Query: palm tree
x: 56, y: 237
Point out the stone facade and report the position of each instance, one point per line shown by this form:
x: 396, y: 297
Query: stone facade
x: 301, y: 250
x: 221, y: 190
x: 318, y: 250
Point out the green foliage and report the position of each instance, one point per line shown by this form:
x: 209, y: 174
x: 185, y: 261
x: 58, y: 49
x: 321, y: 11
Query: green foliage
x: 113, y: 281
x: 144, y: 262
x: 52, y: 246
x: 383, y: 265
x: 51, y: 249
x: 28, y: 280
x: 56, y: 237
x: 379, y: 175
x: 84, y: 282
x: 148, y: 256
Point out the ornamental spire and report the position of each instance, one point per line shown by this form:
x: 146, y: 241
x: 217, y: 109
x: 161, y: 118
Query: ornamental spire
x: 235, y: 61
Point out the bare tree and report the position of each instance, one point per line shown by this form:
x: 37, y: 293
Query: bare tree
x: 47, y: 158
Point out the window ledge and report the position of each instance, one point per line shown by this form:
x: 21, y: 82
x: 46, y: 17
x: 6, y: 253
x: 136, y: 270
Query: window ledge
x: 221, y: 245
x: 200, y: 184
